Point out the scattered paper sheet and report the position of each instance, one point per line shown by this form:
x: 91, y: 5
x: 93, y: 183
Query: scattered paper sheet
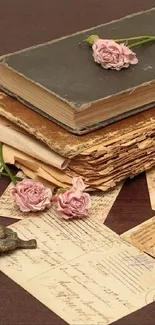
x: 143, y: 236
x: 150, y: 176
x: 81, y: 270
x: 101, y: 204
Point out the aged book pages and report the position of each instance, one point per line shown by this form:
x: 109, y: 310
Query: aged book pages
x: 49, y: 173
x: 97, y: 177
x: 44, y: 171
x: 103, y: 159
x: 143, y: 236
x: 30, y: 174
x: 67, y: 144
x: 150, y: 176
x: 12, y: 135
x: 101, y: 204
x: 81, y: 270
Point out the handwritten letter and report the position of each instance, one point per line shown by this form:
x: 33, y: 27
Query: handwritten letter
x: 81, y: 269
x: 103, y: 202
x: 143, y: 236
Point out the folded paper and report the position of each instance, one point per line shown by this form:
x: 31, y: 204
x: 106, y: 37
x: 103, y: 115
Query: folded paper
x: 29, y: 145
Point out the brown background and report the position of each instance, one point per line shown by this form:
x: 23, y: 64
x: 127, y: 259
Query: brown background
x: 27, y: 22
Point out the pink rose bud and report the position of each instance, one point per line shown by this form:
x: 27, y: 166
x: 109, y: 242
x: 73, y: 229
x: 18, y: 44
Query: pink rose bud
x: 91, y: 39
x: 78, y: 184
x: 31, y: 196
x: 112, y: 55
x: 74, y: 204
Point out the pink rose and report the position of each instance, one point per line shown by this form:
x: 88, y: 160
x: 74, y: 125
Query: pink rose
x: 112, y: 55
x: 74, y: 204
x: 31, y: 196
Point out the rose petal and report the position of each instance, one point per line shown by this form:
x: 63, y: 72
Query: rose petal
x: 78, y: 184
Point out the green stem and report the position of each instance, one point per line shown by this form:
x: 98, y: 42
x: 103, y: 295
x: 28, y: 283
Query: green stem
x: 132, y: 38
x: 15, y: 177
x: 19, y: 179
x: 142, y: 42
x: 3, y: 174
x: 5, y: 166
x: 143, y: 39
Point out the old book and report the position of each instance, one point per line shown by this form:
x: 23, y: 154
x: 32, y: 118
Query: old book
x: 61, y: 81
x: 103, y: 158
x: 69, y: 145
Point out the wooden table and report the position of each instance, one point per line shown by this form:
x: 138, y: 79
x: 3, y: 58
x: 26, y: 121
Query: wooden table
x: 27, y: 22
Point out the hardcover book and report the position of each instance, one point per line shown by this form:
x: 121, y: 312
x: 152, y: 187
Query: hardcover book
x: 102, y: 158
x: 61, y: 81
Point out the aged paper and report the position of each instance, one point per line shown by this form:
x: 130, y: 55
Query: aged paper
x: 7, y: 207
x: 81, y: 270
x: 101, y: 204
x: 54, y: 175
x: 143, y: 236
x: 150, y: 176
x: 16, y: 138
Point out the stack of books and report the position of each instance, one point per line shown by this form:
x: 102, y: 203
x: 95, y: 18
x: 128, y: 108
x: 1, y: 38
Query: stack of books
x: 63, y: 115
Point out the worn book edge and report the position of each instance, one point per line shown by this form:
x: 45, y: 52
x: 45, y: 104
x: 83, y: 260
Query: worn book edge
x: 83, y: 130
